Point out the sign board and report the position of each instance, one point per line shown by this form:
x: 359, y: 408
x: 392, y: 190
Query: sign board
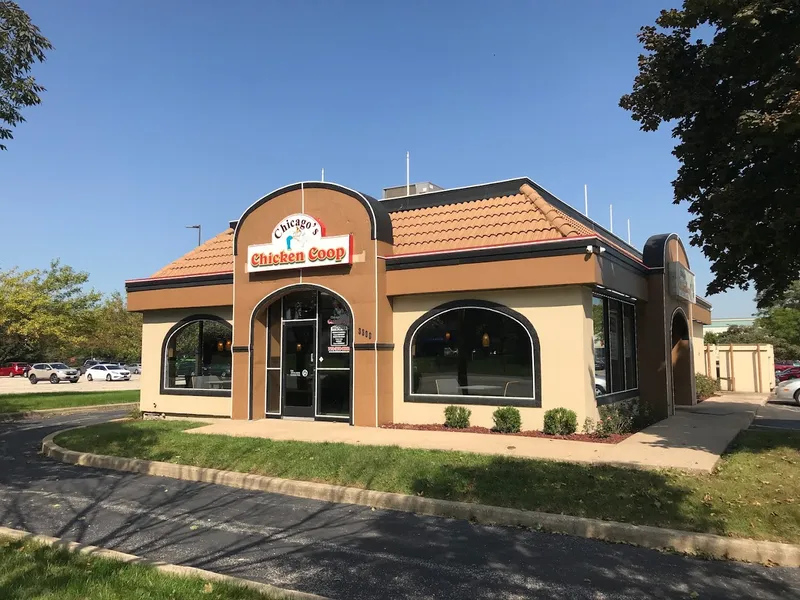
x: 340, y: 341
x: 681, y: 282
x: 299, y: 242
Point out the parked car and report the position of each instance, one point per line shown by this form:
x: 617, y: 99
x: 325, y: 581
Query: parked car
x: 788, y: 390
x: 15, y: 369
x: 135, y: 368
x: 108, y: 372
x: 599, y: 386
x: 787, y: 374
x: 53, y: 372
x: 90, y: 363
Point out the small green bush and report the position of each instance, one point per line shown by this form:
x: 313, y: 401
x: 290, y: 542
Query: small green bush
x: 457, y: 417
x: 705, y: 386
x: 626, y: 416
x: 560, y: 421
x: 507, y: 420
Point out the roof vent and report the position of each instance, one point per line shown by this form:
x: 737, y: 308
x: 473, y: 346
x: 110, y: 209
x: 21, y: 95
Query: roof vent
x: 398, y: 191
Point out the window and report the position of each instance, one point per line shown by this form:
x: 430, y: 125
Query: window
x: 472, y: 352
x: 197, y: 356
x: 615, y: 352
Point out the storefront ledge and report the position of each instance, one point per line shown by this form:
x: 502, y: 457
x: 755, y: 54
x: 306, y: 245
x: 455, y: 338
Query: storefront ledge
x: 67, y: 410
x: 700, y: 544
x: 167, y: 568
x: 474, y: 400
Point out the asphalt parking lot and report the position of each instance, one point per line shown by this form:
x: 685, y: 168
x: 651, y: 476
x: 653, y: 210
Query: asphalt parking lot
x: 777, y: 414
x: 20, y: 385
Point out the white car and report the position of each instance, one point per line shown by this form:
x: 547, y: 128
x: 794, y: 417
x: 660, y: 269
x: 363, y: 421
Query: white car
x: 788, y: 390
x: 599, y: 385
x: 108, y: 372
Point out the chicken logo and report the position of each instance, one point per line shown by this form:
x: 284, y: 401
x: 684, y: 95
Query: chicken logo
x: 297, y: 239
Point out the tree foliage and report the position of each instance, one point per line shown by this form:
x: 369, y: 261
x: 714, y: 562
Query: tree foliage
x: 113, y: 332
x: 782, y: 320
x: 784, y: 349
x: 43, y: 311
x: 726, y: 74
x: 50, y: 315
x: 21, y: 45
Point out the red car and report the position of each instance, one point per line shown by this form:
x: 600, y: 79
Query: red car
x: 14, y: 369
x: 787, y: 374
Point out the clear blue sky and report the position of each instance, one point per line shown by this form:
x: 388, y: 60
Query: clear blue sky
x: 161, y: 114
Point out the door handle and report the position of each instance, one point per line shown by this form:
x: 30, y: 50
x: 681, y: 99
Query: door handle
x: 312, y: 357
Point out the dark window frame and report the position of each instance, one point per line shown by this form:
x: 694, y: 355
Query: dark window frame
x: 408, y: 396
x: 170, y: 391
x: 613, y: 396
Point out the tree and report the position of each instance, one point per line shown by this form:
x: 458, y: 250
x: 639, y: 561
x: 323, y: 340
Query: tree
x: 43, y: 312
x: 113, y: 332
x: 782, y: 319
x: 21, y: 45
x: 726, y: 73
x: 754, y: 335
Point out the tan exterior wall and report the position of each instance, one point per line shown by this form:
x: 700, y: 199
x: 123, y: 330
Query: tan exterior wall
x: 154, y: 329
x: 698, y: 348
x: 562, y: 318
x: 739, y: 368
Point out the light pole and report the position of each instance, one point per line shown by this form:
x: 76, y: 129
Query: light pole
x: 199, y: 229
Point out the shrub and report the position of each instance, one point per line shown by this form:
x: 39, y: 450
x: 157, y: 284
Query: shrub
x: 626, y: 416
x: 507, y: 420
x: 457, y: 417
x: 560, y: 421
x: 705, y: 386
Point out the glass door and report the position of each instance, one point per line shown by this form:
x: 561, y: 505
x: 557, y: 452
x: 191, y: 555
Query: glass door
x: 299, y: 349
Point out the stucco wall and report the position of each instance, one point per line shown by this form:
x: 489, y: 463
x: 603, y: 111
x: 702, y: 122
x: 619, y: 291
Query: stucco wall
x: 562, y: 319
x: 154, y: 329
x: 699, y: 348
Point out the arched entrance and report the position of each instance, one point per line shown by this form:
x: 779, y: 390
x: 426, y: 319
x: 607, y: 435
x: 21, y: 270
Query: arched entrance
x: 308, y: 354
x: 682, y: 388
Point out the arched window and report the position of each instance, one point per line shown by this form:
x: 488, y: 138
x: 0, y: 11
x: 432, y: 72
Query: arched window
x: 197, y: 357
x: 473, y: 352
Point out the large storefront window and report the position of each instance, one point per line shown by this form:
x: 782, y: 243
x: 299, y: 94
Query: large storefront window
x: 198, y: 357
x: 472, y: 352
x: 615, y: 350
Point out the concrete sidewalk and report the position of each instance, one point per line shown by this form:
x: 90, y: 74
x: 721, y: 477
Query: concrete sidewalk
x: 692, y: 439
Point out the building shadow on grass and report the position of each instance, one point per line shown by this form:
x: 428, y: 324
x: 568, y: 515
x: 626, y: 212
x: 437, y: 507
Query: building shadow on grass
x: 355, y: 552
x: 602, y: 492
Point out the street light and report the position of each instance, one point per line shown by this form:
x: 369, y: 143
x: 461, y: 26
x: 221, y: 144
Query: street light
x: 199, y: 229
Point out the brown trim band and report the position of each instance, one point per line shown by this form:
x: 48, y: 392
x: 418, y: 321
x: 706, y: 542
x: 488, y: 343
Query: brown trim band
x: 146, y: 285
x: 241, y: 349
x: 375, y: 346
x: 564, y: 247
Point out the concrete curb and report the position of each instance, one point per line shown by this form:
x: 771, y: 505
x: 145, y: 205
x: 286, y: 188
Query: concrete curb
x: 170, y: 569
x: 67, y: 410
x: 700, y: 544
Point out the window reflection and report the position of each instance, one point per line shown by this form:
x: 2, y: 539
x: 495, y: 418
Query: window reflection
x: 199, y: 356
x: 472, y: 352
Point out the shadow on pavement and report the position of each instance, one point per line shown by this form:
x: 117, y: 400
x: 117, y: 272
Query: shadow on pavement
x: 346, y: 551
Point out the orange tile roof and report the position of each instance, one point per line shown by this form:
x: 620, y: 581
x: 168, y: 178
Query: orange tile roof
x: 213, y: 256
x: 522, y: 218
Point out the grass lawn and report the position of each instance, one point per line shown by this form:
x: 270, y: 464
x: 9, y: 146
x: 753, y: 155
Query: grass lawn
x: 33, y: 572
x: 755, y: 492
x: 21, y: 402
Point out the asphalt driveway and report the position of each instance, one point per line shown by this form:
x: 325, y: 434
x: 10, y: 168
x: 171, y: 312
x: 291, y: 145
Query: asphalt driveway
x: 341, y: 551
x: 777, y: 414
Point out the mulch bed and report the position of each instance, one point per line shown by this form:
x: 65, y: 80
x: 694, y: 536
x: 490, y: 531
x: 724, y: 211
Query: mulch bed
x: 575, y: 437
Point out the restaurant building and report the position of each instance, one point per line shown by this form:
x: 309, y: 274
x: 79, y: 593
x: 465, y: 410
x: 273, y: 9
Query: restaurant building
x: 323, y: 303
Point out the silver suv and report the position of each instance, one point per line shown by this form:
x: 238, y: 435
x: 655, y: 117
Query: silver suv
x: 53, y: 372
